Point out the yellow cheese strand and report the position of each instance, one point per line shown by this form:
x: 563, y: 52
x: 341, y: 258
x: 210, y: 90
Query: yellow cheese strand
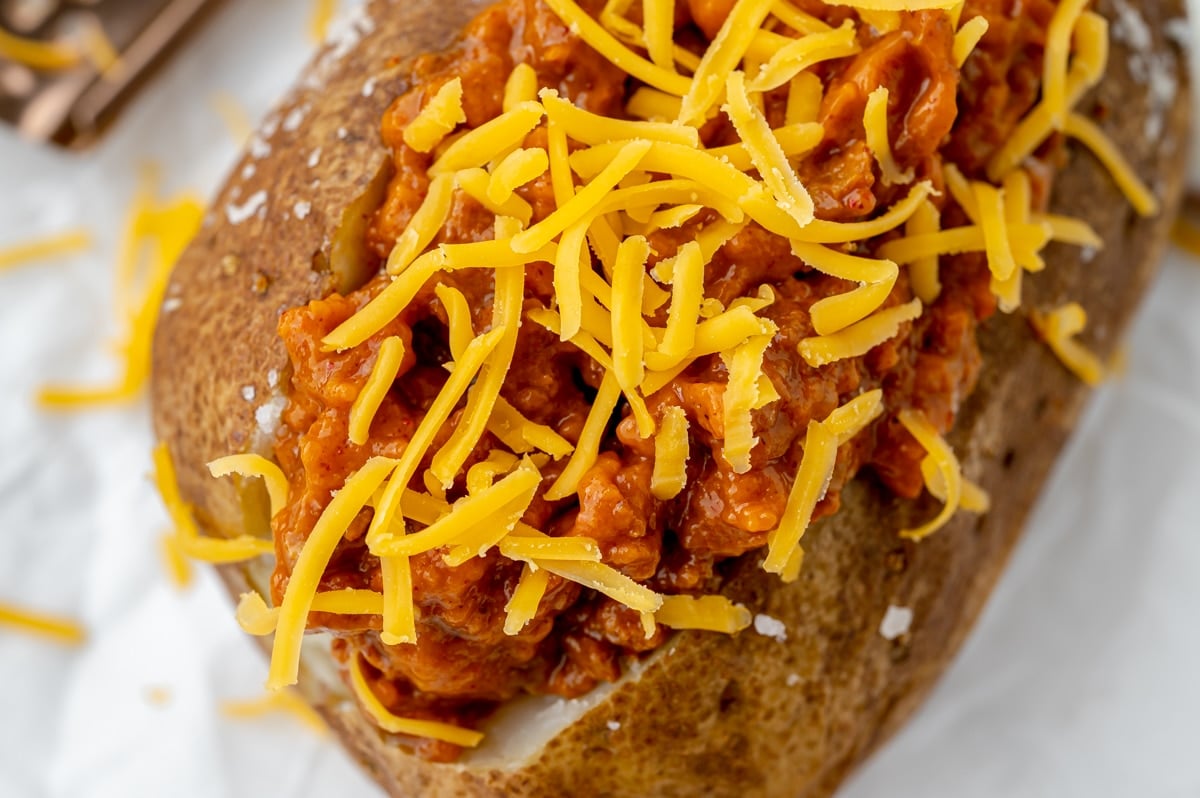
x: 1067, y: 230
x: 52, y: 627
x: 721, y: 58
x: 990, y: 202
x: 586, y: 127
x: 466, y: 368
x: 923, y: 271
x: 606, y: 580
x: 515, y: 170
x: 1059, y: 328
x: 508, y: 299
x: 1091, y: 136
x: 853, y: 417
x: 798, y: 55
x: 433, y: 730
x: 283, y: 701
x: 670, y: 456
x: 588, y: 447
x: 659, y: 20
x: 967, y: 37
x: 709, y: 613
x: 512, y: 428
x: 255, y: 465
x: 466, y: 513
x: 441, y: 114
x: 42, y: 249
x: 496, y: 136
x: 1091, y: 58
x: 766, y: 153
x: 523, y: 605
x: 687, y: 291
x: 520, y: 547
x: 320, y: 18
x: 476, y: 183
x: 821, y: 231
x: 627, y: 312
x: 895, y: 5
x: 875, y: 277
x: 812, y: 479
x: 947, y: 464
x: 424, y: 225
x: 875, y: 122
x: 1054, y: 60
x: 585, y: 200
x: 45, y: 56
x: 653, y: 105
x: 458, y: 314
x: 310, y: 567
x: 744, y: 365
x: 383, y: 374
x: 797, y: 20
x: 804, y: 101
x: 583, y: 25
x: 860, y: 338
x: 521, y: 86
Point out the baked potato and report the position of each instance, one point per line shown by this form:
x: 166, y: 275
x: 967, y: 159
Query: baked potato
x: 788, y: 711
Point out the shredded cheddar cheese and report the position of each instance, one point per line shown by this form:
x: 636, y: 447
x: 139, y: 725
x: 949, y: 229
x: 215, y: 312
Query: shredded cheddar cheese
x: 437, y: 119
x: 859, y: 338
x: 311, y: 563
x: 744, y: 364
x: 521, y: 86
x: 169, y: 228
x: 1059, y: 328
x: 51, y: 627
x: 670, y: 455
x: 434, y: 730
x: 47, y: 56
x: 816, y: 469
x: 55, y: 246
x: 523, y: 605
x: 383, y: 374
x: 944, y: 462
x: 286, y: 702
x: 967, y: 37
x: 1090, y: 135
x: 188, y: 541
x: 879, y: 140
x: 624, y: 189
x: 711, y: 613
x: 766, y: 153
x: 424, y: 225
x: 255, y: 465
x: 319, y: 19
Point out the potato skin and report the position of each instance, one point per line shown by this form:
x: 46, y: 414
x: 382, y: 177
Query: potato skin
x: 714, y: 715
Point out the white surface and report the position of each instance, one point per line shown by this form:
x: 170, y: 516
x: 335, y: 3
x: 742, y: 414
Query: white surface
x: 1080, y: 680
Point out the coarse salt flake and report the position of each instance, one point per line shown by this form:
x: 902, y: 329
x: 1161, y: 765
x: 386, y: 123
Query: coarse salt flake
x: 896, y: 622
x: 767, y: 626
x: 266, y: 415
x: 236, y: 214
x: 292, y: 121
x: 302, y: 209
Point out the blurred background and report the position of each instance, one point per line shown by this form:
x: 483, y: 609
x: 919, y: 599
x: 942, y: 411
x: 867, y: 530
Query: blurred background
x: 1080, y: 679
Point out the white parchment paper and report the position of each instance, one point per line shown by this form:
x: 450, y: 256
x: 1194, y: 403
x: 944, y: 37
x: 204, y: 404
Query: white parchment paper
x: 1081, y: 679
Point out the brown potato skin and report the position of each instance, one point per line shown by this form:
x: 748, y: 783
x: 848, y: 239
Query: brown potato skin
x: 715, y: 715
